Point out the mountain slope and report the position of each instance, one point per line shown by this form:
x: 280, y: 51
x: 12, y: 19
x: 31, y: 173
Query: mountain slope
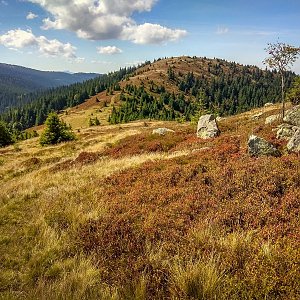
x: 15, y: 81
x: 181, y: 88
x: 125, y: 214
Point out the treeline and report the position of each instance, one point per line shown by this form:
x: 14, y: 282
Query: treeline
x: 230, y: 89
x: 36, y: 112
x: 137, y: 103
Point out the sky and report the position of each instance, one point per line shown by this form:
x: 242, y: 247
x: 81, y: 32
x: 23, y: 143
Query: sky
x: 103, y: 35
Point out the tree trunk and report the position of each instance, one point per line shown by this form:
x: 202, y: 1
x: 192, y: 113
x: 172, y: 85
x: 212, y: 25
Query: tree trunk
x: 282, y: 95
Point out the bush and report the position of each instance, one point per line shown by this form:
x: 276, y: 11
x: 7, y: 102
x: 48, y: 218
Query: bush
x: 94, y: 122
x: 5, y: 135
x: 56, y: 131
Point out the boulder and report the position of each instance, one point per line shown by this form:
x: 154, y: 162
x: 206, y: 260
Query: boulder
x: 271, y: 119
x: 294, y: 143
x: 258, y: 146
x: 207, y: 127
x: 286, y: 131
x: 162, y: 131
x: 293, y: 116
x: 268, y: 104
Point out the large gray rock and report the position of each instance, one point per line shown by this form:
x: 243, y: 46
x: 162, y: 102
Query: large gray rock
x: 294, y: 143
x: 207, y: 127
x: 162, y: 131
x: 258, y: 146
x: 286, y: 131
x: 271, y: 119
x: 293, y: 116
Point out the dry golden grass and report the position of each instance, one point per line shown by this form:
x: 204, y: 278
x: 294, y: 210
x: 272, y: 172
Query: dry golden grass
x: 80, y: 221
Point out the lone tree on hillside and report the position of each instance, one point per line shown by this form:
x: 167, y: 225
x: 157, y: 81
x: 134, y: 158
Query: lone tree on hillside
x: 281, y: 57
x: 56, y: 131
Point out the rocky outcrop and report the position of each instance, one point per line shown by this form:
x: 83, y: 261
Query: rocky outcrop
x: 271, y: 119
x: 286, y: 131
x: 294, y: 143
x: 162, y: 131
x: 290, y: 129
x: 207, y: 127
x: 292, y: 116
x: 258, y: 146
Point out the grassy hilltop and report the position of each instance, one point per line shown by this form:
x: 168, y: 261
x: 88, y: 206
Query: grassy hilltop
x: 125, y: 214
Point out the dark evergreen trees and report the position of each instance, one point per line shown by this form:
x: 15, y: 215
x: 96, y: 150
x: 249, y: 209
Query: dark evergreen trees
x: 56, y: 131
x: 5, y: 135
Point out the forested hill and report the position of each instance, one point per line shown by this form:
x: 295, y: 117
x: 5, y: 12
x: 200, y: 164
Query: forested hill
x: 38, y: 106
x: 17, y: 82
x: 185, y: 87
x: 166, y: 89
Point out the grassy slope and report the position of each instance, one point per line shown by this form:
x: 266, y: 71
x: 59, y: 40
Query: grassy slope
x: 124, y: 214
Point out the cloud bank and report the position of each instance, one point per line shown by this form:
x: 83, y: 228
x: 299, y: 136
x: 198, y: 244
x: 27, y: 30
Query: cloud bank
x: 18, y: 39
x: 106, y: 19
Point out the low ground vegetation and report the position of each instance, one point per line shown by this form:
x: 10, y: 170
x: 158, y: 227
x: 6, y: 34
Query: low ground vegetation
x: 125, y: 214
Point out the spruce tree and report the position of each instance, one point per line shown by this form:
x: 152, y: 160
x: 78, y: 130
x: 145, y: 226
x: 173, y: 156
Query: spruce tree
x: 56, y: 131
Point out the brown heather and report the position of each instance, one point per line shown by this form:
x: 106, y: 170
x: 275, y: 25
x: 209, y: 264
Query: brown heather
x: 124, y: 214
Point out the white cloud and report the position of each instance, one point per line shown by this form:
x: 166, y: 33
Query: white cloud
x: 19, y: 39
x: 222, y: 30
x: 151, y: 34
x: 3, y: 2
x: 55, y: 48
x: 106, y: 19
x: 31, y: 16
x: 135, y: 63
x: 109, y: 50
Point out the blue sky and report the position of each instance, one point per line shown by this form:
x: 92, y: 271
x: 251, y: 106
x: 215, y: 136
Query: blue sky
x: 104, y: 35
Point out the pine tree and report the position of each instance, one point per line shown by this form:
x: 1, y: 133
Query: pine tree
x: 56, y: 131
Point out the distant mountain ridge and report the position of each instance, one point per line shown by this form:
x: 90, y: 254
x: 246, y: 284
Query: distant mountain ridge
x: 29, y: 80
x: 17, y: 83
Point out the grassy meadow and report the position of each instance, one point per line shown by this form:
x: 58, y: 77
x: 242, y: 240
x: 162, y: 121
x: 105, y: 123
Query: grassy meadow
x: 124, y: 214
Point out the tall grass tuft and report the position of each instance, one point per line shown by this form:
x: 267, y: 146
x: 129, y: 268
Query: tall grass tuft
x: 197, y: 279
